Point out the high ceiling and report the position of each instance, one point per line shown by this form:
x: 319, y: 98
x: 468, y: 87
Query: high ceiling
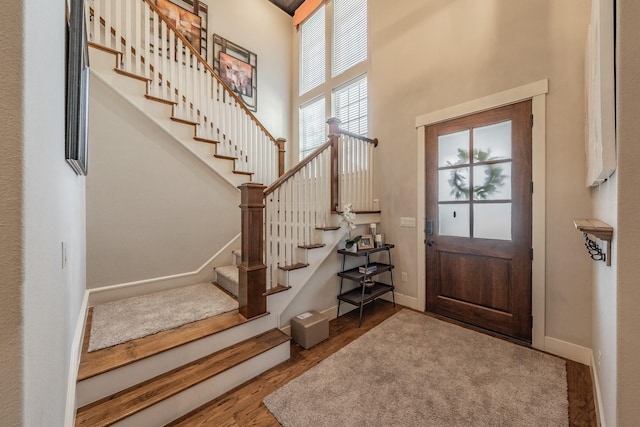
x: 288, y: 6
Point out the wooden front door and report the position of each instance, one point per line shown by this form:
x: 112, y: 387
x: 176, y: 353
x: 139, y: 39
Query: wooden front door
x: 478, y: 206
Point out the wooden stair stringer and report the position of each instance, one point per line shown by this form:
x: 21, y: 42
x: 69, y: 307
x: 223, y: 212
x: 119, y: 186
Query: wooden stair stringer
x: 133, y: 91
x: 108, y: 382
x: 172, y: 394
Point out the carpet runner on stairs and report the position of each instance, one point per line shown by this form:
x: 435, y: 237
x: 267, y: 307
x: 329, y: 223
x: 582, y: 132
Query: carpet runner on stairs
x: 227, y: 278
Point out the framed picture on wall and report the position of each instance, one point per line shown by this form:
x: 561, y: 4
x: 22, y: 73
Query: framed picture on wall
x: 187, y: 23
x: 237, y: 67
x: 77, y: 96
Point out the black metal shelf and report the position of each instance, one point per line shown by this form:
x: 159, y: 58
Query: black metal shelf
x: 359, y: 295
x: 368, y: 290
x: 365, y: 252
x: 355, y: 275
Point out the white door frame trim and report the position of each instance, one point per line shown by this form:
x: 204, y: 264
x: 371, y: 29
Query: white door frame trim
x: 535, y: 91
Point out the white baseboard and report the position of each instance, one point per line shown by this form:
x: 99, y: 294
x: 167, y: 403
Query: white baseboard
x: 332, y: 312
x: 568, y: 350
x: 404, y: 300
x: 597, y: 394
x: 74, y: 363
x: 157, y: 284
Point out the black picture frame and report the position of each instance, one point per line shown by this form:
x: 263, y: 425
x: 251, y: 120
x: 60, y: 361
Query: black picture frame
x: 188, y: 23
x: 77, y: 90
x: 229, y: 53
x: 202, y: 10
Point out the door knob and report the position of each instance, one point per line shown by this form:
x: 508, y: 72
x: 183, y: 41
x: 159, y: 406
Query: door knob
x: 431, y: 242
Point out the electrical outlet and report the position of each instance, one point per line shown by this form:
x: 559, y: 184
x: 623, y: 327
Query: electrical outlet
x: 403, y: 276
x: 599, y: 357
x: 408, y: 222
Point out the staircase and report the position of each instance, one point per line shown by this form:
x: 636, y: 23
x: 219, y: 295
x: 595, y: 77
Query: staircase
x: 154, y: 380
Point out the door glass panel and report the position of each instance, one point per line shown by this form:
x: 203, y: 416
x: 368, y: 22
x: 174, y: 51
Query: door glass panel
x: 492, y: 182
x: 453, y: 184
x: 452, y: 148
x: 494, y: 140
x: 453, y: 220
x: 492, y: 221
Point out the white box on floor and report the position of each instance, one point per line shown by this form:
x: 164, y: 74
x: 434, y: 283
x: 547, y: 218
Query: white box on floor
x: 309, y: 328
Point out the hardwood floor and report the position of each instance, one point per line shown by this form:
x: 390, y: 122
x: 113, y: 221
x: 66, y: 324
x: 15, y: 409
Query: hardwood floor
x: 243, y: 406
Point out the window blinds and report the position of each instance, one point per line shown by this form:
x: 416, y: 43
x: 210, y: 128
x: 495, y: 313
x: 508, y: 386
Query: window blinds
x: 349, y: 34
x: 312, y: 127
x: 350, y: 106
x: 312, y: 51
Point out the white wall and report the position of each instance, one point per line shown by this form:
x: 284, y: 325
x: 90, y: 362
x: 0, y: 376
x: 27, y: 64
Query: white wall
x: 42, y: 206
x: 605, y: 201
x: 262, y: 28
x: 153, y: 209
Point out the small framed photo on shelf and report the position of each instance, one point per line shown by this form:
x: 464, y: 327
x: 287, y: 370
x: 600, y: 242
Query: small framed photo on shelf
x: 366, y: 242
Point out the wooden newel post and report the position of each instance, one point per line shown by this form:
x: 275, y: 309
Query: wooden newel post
x: 281, y: 142
x: 252, y: 283
x: 334, y: 135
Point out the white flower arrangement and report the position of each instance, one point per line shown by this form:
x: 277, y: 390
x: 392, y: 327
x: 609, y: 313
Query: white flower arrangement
x: 347, y: 222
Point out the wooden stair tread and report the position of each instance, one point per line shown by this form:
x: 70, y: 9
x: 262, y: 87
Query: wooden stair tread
x: 313, y: 246
x: 132, y: 75
x: 98, y: 362
x: 103, y: 48
x: 292, y: 266
x: 208, y: 141
x: 127, y: 402
x: 242, y: 172
x: 329, y: 228
x: 276, y: 289
x: 161, y: 100
x: 220, y: 156
x: 183, y: 121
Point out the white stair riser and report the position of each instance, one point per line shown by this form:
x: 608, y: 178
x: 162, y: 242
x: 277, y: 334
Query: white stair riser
x: 113, y: 381
x: 182, y: 403
x: 101, y: 60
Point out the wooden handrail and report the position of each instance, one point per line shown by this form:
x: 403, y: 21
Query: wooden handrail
x: 278, y: 182
x: 211, y: 70
x: 355, y: 135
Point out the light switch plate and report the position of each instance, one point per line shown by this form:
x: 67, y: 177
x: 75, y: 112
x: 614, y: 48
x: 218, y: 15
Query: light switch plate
x: 408, y: 222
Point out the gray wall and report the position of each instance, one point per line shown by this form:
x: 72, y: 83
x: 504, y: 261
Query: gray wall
x: 628, y: 226
x: 42, y: 207
x: 616, y: 342
x: 429, y: 55
x: 11, y: 208
x: 153, y: 209
x: 259, y: 26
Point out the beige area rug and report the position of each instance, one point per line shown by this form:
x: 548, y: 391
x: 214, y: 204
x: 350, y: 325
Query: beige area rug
x: 121, y: 321
x: 413, y: 370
